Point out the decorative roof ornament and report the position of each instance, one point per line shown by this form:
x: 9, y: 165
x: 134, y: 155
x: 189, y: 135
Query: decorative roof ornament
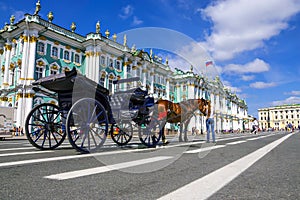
x: 50, y: 16
x: 133, y: 48
x: 98, y: 27
x: 125, y: 40
x: 191, y: 68
x: 12, y: 20
x: 37, y: 8
x: 107, y: 33
x: 151, y: 53
x: 115, y: 37
x: 73, y: 26
x: 167, y: 61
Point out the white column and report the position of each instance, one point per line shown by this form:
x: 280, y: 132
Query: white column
x: 97, y: 67
x: 19, y: 109
x: 144, y: 71
x: 152, y: 82
x: 178, y: 88
x: 31, y: 63
x: 24, y: 57
x: 7, y: 62
x: 168, y: 88
x: 190, y: 91
x: 27, y: 102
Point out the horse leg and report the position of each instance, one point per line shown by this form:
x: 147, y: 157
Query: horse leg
x: 180, y: 133
x: 163, y: 136
x: 185, y: 132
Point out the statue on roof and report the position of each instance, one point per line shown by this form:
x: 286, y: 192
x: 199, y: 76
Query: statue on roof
x: 37, y: 8
x: 125, y: 40
x: 98, y: 27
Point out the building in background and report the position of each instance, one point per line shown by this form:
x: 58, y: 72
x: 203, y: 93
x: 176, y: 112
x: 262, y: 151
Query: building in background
x: 278, y: 117
x: 34, y: 47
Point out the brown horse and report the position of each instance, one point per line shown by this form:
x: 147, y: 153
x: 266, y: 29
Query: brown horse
x: 180, y: 113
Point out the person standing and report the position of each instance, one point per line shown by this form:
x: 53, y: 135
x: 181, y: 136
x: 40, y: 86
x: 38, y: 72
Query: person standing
x: 210, y: 123
x: 254, y: 126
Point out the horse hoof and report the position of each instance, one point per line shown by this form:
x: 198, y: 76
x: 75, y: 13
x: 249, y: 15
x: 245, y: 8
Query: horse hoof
x: 186, y: 140
x: 180, y: 140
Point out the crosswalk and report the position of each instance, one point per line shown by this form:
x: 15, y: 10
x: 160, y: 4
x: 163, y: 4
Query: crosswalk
x: 21, y: 154
x: 27, y: 149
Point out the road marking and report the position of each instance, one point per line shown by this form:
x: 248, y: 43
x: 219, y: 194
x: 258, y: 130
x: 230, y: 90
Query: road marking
x: 32, y: 161
x: 256, y: 138
x: 205, y: 149
x: 236, y: 142
x: 206, y: 186
x: 7, y: 143
x: 21, y: 148
x: 98, y: 170
x: 23, y: 153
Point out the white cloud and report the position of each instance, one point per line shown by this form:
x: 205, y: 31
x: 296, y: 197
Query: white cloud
x: 19, y: 15
x: 247, y: 77
x: 294, y: 92
x: 261, y: 85
x: 228, y: 85
x: 127, y: 11
x: 256, y: 66
x: 136, y: 21
x: 290, y: 100
x: 244, y: 25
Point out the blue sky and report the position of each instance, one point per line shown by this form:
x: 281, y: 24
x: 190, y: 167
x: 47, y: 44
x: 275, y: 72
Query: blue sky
x: 254, y: 44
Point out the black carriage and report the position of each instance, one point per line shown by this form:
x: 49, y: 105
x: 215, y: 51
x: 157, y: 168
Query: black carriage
x: 86, y: 113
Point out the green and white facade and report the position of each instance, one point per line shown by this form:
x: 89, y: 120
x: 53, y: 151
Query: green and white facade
x: 35, y: 47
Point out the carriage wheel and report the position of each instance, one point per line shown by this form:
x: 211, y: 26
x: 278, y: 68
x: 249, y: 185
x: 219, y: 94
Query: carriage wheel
x: 87, y: 125
x: 44, y: 128
x: 150, y: 133
x: 122, y: 133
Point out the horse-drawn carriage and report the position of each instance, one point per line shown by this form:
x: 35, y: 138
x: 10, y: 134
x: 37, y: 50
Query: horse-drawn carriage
x: 87, y: 113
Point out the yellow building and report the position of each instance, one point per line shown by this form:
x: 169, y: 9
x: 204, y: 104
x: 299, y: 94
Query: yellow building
x: 279, y: 117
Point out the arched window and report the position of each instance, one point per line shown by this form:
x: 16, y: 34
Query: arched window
x: 66, y: 55
x: 102, y: 79
x: 111, y: 63
x: 54, y: 52
x: 102, y: 60
x: 118, y: 65
x: 41, y: 47
x: 77, y: 60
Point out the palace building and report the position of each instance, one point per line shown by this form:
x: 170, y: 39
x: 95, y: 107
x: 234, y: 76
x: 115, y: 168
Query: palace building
x: 34, y: 47
x: 278, y: 117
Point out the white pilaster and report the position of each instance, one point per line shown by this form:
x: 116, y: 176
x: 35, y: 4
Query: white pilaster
x: 7, y: 62
x: 168, y: 88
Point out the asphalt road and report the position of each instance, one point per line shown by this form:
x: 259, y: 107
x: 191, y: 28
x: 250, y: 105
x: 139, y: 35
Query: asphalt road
x: 243, y: 166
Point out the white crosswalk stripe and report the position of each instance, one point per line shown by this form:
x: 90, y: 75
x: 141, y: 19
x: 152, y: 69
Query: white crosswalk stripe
x: 98, y: 170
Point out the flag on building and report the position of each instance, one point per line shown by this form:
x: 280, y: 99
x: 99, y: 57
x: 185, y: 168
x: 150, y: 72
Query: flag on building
x: 208, y: 63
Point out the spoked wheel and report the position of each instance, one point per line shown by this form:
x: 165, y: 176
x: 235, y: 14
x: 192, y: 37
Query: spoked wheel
x: 87, y: 125
x: 44, y: 126
x: 122, y: 133
x: 150, y: 133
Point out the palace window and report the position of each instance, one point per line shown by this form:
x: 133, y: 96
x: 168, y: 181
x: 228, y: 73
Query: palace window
x: 66, y: 55
x: 39, y: 72
x: 77, y: 60
x: 102, y: 60
x: 41, y: 47
x: 118, y: 65
x: 53, y: 71
x: 111, y: 63
x: 102, y: 80
x: 54, y: 52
